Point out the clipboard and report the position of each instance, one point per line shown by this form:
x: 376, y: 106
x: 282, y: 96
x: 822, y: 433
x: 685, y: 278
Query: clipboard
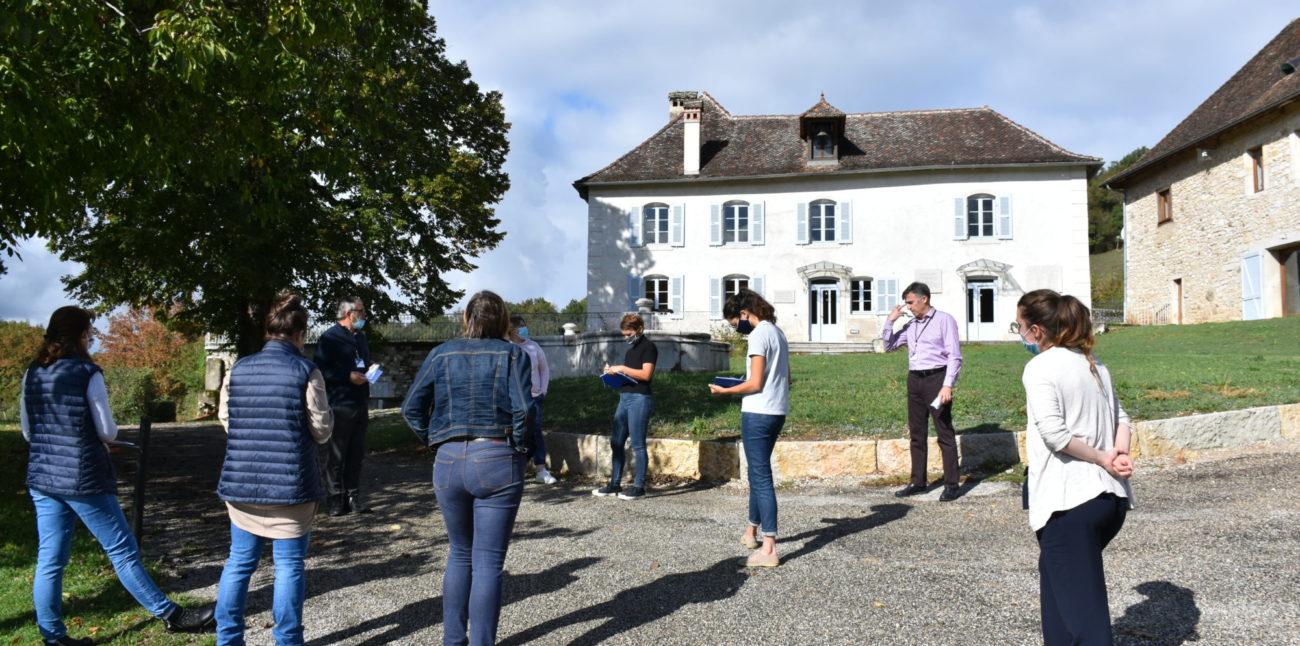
x: 617, y: 380
x: 727, y: 382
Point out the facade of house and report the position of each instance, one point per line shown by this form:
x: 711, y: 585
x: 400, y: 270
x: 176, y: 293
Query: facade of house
x: 830, y: 215
x: 1212, y: 212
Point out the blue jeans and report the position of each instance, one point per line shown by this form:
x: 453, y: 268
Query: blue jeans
x: 631, y: 418
x: 478, y: 486
x: 56, y: 520
x: 758, y: 433
x: 290, y: 586
x: 535, y: 427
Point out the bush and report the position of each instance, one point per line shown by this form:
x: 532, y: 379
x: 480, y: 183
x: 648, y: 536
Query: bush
x: 130, y: 392
x: 19, y: 343
x: 725, y: 333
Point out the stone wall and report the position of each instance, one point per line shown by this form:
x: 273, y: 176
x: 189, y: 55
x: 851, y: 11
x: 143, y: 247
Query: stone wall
x: 1217, y: 217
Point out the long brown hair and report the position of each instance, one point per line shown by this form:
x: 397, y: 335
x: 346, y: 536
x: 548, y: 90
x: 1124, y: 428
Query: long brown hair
x: 68, y: 325
x: 287, y: 317
x: 1064, y: 320
x: 750, y: 302
x: 486, y: 316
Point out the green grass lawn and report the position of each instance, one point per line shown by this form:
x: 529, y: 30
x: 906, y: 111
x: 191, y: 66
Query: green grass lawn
x: 1160, y: 372
x: 95, y: 604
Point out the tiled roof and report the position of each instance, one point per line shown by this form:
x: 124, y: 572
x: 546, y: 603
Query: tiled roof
x: 822, y: 109
x: 1257, y: 87
x: 748, y: 146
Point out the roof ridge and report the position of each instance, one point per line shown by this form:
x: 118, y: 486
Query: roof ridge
x: 635, y: 148
x: 704, y: 94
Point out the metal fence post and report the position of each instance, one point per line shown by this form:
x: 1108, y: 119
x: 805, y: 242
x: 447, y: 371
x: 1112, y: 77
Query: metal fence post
x: 141, y: 477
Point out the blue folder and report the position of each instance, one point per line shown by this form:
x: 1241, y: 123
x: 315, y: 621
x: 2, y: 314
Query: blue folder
x: 727, y: 382
x: 617, y: 380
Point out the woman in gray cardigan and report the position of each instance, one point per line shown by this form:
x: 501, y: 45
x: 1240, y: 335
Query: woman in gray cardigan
x: 1077, y: 439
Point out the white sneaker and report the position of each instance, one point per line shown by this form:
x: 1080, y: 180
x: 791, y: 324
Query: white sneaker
x: 545, y: 477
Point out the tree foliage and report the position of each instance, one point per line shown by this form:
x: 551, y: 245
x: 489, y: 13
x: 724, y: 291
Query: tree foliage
x: 1106, y: 207
x: 536, y: 305
x: 136, y: 340
x: 575, y: 311
x: 199, y: 155
x: 19, y: 343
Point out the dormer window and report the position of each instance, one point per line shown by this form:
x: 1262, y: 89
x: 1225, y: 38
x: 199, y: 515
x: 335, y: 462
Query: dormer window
x: 823, y: 143
x: 821, y: 126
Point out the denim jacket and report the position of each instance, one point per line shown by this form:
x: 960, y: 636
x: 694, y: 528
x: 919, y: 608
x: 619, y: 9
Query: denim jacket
x: 471, y: 387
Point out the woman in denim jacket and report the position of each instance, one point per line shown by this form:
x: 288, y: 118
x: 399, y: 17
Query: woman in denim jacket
x: 470, y: 403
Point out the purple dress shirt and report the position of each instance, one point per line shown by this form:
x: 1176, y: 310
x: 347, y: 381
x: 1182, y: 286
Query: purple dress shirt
x: 932, y: 342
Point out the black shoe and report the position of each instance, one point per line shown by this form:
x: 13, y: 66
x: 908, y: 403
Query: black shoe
x: 632, y: 493
x: 910, y: 490
x: 607, y: 490
x: 338, y: 505
x: 949, y: 494
x: 189, y: 620
x: 355, y: 504
x: 68, y: 641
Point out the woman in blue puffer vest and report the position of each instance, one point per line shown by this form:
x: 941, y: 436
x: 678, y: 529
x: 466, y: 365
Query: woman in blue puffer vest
x: 276, y: 411
x: 470, y: 402
x: 64, y: 414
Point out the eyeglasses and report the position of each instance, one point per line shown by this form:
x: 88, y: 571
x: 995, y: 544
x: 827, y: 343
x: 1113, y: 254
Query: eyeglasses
x: 1015, y: 327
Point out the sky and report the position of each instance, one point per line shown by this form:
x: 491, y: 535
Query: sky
x: 584, y: 82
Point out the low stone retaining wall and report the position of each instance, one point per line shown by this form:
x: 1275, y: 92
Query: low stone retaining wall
x: 796, y: 460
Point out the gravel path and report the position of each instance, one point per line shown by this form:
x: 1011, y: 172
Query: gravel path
x: 1211, y: 555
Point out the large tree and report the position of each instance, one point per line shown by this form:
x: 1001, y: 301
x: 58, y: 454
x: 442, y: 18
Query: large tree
x: 1106, y: 207
x: 198, y: 155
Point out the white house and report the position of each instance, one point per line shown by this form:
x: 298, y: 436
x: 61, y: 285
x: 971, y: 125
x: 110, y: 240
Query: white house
x: 829, y: 215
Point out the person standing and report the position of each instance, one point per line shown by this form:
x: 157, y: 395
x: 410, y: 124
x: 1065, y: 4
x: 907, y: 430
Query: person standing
x: 762, y: 414
x: 933, y: 364
x: 1077, y: 440
x: 541, y: 382
x: 632, y: 417
x: 64, y: 416
x: 275, y: 411
x: 470, y: 402
x: 343, y: 356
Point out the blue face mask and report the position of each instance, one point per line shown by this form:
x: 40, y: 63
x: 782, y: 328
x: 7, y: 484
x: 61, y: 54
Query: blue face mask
x: 523, y: 332
x: 1031, y: 347
x: 360, y: 323
x: 743, y: 326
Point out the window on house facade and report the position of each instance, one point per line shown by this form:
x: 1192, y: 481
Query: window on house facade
x: 1164, y: 206
x: 735, y: 222
x: 731, y: 285
x: 655, y: 223
x: 979, y: 216
x: 823, y: 143
x: 821, y: 221
x: 656, y: 289
x: 1256, y: 155
x: 860, y: 296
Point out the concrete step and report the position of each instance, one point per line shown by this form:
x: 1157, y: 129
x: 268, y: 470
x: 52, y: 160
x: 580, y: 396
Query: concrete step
x: 806, y: 347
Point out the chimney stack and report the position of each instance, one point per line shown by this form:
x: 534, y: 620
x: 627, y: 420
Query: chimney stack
x: 677, y: 102
x: 691, y: 137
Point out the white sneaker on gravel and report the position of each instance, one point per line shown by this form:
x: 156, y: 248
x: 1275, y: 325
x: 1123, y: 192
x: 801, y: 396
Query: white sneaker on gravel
x: 545, y: 477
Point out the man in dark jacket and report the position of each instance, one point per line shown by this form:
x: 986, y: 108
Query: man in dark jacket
x: 343, y: 356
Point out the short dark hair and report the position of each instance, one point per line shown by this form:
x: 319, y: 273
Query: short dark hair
x: 632, y: 322
x: 918, y: 288
x: 287, y: 316
x: 751, y: 302
x: 486, y: 316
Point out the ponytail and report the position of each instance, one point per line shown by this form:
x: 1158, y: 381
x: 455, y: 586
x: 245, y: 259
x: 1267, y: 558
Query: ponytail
x: 1064, y: 320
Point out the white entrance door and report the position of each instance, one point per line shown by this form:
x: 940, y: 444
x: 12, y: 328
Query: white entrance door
x: 981, y: 310
x: 824, y: 312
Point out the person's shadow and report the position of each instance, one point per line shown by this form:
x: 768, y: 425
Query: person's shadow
x: 641, y: 605
x: 840, y: 527
x: 1167, y: 617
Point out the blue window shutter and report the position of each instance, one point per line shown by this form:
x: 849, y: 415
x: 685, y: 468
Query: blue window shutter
x: 846, y: 221
x: 715, y: 297
x: 959, y: 218
x: 675, y: 286
x: 635, y: 290
x: 801, y: 224
x: 715, y: 225
x: 634, y: 220
x: 756, y: 223
x: 756, y: 283
x: 677, y: 229
x: 1004, y: 217
x: 1251, y: 294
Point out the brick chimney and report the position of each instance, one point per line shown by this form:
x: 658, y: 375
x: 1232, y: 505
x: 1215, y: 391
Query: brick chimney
x: 691, y: 137
x: 677, y: 102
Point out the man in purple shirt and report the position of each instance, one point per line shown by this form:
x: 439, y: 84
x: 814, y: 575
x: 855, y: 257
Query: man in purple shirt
x: 933, y: 362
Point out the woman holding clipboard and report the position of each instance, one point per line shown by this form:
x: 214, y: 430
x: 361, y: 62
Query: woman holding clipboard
x: 762, y: 414
x: 632, y: 417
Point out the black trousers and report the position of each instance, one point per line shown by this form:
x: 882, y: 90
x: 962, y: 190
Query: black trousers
x: 347, y: 448
x: 921, y: 390
x: 1072, y: 592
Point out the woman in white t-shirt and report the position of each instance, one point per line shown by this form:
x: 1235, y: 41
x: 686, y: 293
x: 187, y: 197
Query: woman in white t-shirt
x: 762, y: 414
x: 1077, y: 439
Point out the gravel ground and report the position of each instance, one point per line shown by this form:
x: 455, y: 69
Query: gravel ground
x: 1209, y: 555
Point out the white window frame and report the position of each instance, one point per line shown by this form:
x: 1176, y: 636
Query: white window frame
x: 731, y: 280
x: 731, y: 214
x: 654, y: 293
x: 652, y: 215
x: 829, y: 223
x: 855, y: 285
x: 983, y: 220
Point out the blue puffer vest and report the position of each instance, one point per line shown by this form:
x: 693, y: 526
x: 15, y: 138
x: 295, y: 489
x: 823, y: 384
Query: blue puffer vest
x: 66, y: 457
x: 270, y: 453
